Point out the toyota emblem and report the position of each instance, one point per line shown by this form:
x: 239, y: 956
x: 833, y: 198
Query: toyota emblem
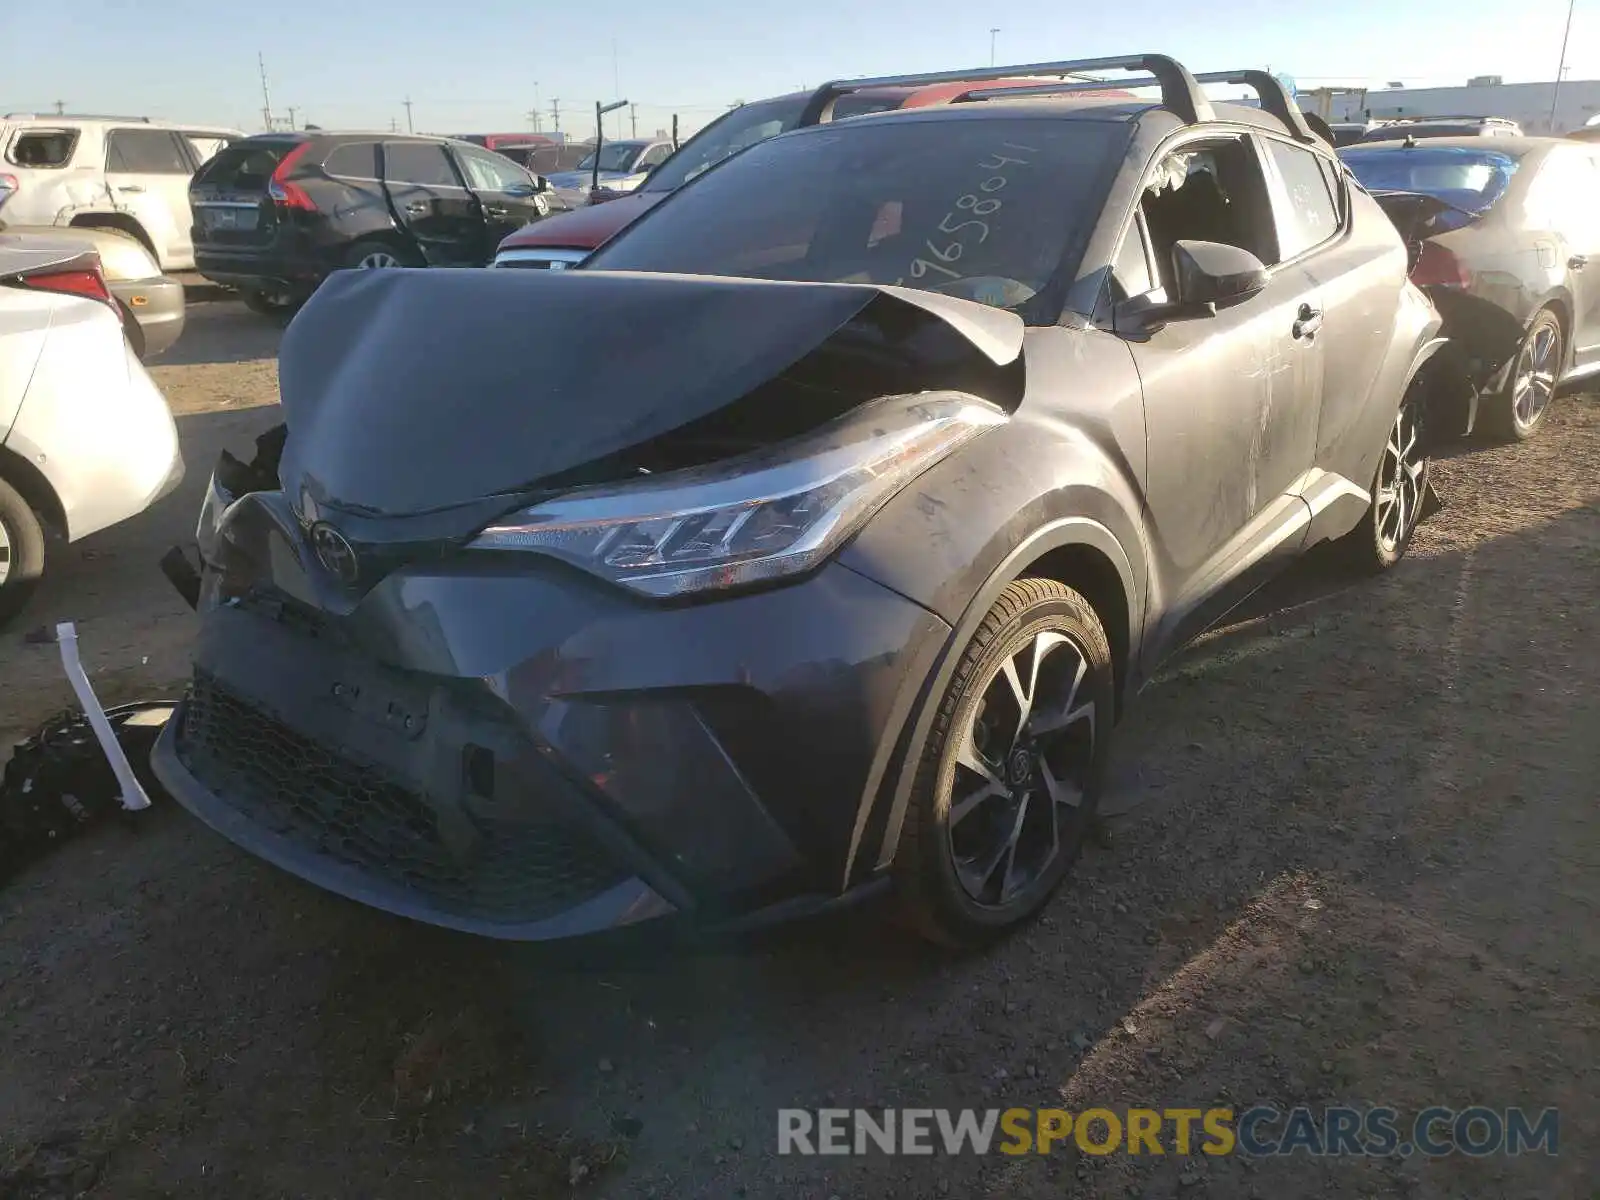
x: 334, y: 552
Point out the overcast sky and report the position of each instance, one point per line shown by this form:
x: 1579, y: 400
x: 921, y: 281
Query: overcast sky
x: 483, y: 66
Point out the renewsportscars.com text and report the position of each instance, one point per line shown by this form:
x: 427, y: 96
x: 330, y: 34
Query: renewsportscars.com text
x: 1259, y: 1131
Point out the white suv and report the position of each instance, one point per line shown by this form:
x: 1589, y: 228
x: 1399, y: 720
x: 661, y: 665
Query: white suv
x: 127, y: 173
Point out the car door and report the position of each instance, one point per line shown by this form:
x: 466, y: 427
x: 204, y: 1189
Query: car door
x: 1226, y: 395
x: 1353, y: 286
x: 148, y: 172
x: 1564, y: 201
x: 430, y: 202
x: 507, y: 195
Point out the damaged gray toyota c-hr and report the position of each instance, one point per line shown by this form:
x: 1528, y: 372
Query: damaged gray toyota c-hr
x: 809, y: 540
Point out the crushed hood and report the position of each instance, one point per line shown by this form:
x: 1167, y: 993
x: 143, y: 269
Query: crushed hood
x: 410, y: 392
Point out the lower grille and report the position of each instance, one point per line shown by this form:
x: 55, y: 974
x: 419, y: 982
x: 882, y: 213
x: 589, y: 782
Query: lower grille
x: 352, y: 812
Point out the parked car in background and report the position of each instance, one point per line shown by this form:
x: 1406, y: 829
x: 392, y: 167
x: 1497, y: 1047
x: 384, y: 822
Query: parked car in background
x: 152, y: 304
x: 1509, y: 232
x: 127, y: 173
x: 568, y: 239
x: 623, y: 166
x: 1346, y: 133
x: 1442, y: 127
x: 540, y: 635
x: 86, y: 440
x: 276, y: 213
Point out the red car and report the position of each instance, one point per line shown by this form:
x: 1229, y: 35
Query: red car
x: 563, y: 241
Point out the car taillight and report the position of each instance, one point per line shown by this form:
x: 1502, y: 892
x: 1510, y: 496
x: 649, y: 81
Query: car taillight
x: 1437, y: 266
x: 290, y: 195
x: 90, y: 284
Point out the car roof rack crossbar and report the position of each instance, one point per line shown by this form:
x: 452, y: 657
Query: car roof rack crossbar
x: 1179, y: 91
x: 1479, y: 119
x: 1274, y: 97
x: 66, y: 116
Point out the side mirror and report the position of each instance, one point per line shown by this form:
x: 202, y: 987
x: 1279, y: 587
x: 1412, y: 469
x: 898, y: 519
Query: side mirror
x: 1213, y: 275
x: 524, y: 188
x: 541, y: 184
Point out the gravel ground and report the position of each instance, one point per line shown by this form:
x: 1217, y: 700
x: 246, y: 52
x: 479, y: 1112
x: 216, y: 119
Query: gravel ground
x: 1362, y: 869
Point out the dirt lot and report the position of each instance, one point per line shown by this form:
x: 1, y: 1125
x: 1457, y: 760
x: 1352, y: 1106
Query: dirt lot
x: 1365, y: 869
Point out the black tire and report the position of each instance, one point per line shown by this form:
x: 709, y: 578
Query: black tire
x: 361, y: 255
x: 276, y: 303
x: 934, y: 879
x: 1502, y: 417
x: 1384, y: 533
x: 22, y: 552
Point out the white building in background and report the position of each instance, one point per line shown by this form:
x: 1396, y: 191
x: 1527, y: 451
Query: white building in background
x: 1528, y: 104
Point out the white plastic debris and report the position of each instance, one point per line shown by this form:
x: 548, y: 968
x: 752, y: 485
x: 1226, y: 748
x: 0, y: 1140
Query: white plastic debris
x: 133, y: 796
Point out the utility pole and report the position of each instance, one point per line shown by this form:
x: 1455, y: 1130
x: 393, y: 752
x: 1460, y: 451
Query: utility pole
x: 292, y: 110
x: 61, y: 108
x: 394, y: 126
x: 555, y: 113
x: 410, y: 128
x: 266, y: 100
x: 533, y: 114
x: 1561, y: 67
x: 992, y: 32
x: 633, y: 119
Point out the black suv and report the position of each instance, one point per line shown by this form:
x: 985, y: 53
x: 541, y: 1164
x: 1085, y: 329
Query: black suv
x: 276, y: 213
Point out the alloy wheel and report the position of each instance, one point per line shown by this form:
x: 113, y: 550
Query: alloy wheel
x: 1400, y: 481
x: 378, y: 260
x: 1024, y: 758
x: 1535, y: 381
x: 5, y: 554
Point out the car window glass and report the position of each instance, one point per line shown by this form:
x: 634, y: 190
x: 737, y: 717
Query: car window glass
x: 742, y: 127
x: 989, y: 210
x: 356, y: 160
x: 655, y: 156
x: 489, y: 172
x: 1130, y: 276
x: 1210, y: 191
x: 1562, y: 196
x: 421, y: 163
x: 43, y: 148
x: 145, y: 152
x: 1310, y: 217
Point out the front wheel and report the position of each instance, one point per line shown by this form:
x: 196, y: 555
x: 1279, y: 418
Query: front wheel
x: 1008, y: 781
x: 1399, y: 490
x: 22, y: 551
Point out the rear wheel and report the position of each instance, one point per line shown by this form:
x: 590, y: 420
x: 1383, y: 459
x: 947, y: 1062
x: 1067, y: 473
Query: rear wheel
x: 377, y: 256
x: 1516, y: 413
x: 22, y: 551
x: 1398, y: 491
x: 1008, y: 782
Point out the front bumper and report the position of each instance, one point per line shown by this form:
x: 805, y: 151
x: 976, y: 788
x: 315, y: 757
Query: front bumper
x: 498, y: 745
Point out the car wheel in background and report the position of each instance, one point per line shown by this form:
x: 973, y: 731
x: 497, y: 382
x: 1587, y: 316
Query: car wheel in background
x: 374, y: 255
x: 1008, y: 781
x: 1516, y: 413
x: 1399, y: 490
x: 271, y: 302
x: 22, y: 552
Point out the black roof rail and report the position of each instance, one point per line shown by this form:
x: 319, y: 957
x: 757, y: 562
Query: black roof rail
x: 1420, y: 119
x: 1179, y: 91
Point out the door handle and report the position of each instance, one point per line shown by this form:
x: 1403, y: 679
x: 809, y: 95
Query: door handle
x: 134, y: 188
x: 1307, y: 321
x: 1577, y: 262
x: 495, y: 210
x: 418, y: 208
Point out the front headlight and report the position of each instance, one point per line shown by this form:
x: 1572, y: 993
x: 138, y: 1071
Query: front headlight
x: 760, y: 516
